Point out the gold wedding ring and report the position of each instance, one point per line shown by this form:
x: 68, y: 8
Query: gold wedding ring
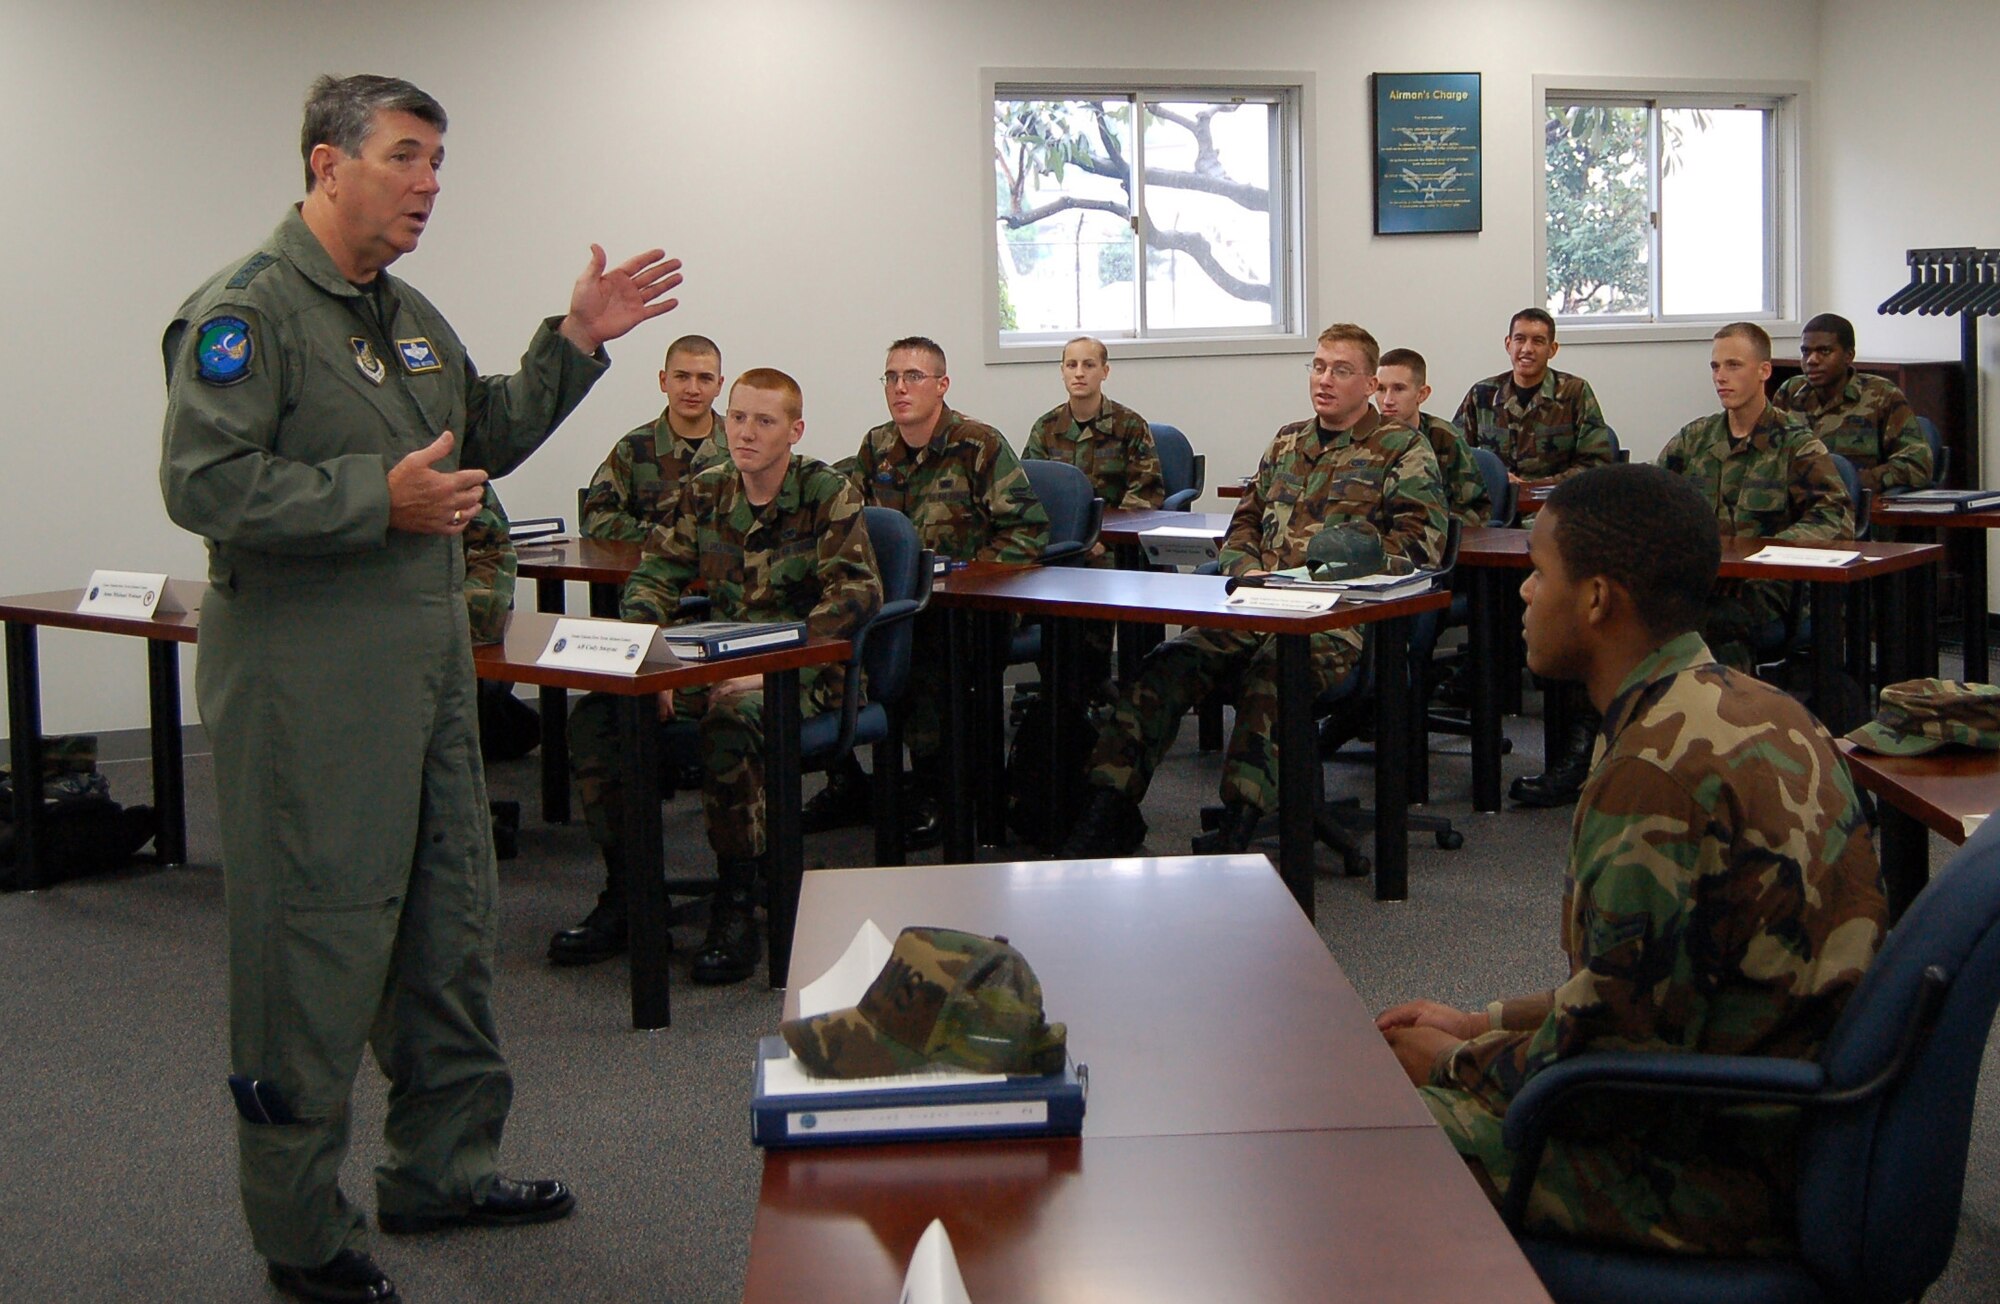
x: 455, y: 517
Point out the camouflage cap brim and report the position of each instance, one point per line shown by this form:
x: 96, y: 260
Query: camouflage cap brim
x: 844, y: 1044
x: 1877, y: 737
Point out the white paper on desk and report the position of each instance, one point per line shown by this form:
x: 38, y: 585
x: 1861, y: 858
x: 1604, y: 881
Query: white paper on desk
x: 143, y: 594
x: 1972, y: 823
x: 1806, y: 556
x: 934, y: 1277
x: 606, y: 646
x: 843, y: 985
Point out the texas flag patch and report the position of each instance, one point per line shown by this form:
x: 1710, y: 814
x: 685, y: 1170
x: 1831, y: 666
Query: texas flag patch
x: 419, y: 356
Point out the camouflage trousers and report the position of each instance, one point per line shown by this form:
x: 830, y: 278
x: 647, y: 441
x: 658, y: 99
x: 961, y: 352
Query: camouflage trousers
x: 1740, y: 609
x: 732, y: 760
x: 1182, y: 671
x: 1687, y: 1183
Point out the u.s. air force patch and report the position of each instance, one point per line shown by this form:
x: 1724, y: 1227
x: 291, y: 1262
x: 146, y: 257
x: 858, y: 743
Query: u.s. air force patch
x: 224, y: 350
x: 419, y: 356
x: 364, y: 357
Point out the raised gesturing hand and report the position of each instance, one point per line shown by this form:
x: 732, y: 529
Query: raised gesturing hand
x: 607, y: 303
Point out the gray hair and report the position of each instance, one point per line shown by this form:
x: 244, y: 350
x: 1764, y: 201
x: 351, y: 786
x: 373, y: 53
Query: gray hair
x: 340, y: 111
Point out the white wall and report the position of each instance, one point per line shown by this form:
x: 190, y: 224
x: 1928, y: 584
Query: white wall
x: 818, y: 165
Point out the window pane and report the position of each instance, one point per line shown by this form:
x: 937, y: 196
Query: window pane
x: 1208, y: 201
x: 1599, y: 210
x: 1712, y: 171
x: 1063, y: 205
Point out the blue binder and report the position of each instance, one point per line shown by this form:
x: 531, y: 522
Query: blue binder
x: 711, y: 640
x: 1049, y: 1105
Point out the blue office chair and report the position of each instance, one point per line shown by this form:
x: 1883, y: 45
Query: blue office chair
x: 882, y: 652
x: 1940, y: 455
x: 1075, y: 514
x: 1885, y: 1119
x: 1619, y: 453
x: 1183, y: 469
x: 1502, y: 494
x: 1792, y: 635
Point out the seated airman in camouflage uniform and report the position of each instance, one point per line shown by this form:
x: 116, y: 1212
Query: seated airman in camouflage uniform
x: 964, y: 490
x: 490, y: 568
x: 1345, y: 465
x: 775, y: 537
x: 1722, y: 895
x: 1863, y: 418
x: 1764, y: 474
x: 1111, y: 444
x: 1404, y: 381
x: 1545, y: 424
x: 640, y: 482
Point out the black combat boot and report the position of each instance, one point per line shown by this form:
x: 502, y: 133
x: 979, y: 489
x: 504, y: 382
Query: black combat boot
x: 729, y: 953
x: 602, y: 933
x: 843, y: 803
x: 1110, y: 825
x: 923, y: 807
x: 1232, y: 833
x: 1566, y: 773
x: 1351, y: 717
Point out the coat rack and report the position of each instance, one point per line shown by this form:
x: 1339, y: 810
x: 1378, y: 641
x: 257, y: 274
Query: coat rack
x: 1955, y: 282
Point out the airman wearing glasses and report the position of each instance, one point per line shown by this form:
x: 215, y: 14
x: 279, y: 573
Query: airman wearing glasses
x: 961, y: 485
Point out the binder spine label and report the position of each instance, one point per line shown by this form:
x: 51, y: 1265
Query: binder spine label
x: 917, y: 1118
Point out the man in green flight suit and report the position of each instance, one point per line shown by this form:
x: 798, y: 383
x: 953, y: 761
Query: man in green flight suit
x: 774, y: 536
x: 1344, y: 465
x: 962, y: 487
x: 1863, y: 418
x: 1722, y: 896
x: 1764, y: 475
x: 327, y: 435
x: 640, y: 482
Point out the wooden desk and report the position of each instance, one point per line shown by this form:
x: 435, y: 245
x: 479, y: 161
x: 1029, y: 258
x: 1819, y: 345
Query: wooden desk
x: 1937, y: 792
x: 1235, y: 490
x: 1248, y: 1136
x: 603, y: 564
x: 1963, y: 535
x: 1489, y: 553
x: 638, y: 727
x: 24, y: 616
x: 1166, y: 597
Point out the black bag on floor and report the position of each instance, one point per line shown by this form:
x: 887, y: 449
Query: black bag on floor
x: 508, y: 727
x: 1031, y: 813
x: 86, y: 832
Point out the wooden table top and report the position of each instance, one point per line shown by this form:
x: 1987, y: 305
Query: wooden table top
x: 1161, y: 597
x: 1886, y: 512
x: 594, y: 561
x: 513, y: 660
x: 1198, y: 994
x: 1487, y: 545
x: 1941, y: 788
x: 1125, y: 526
x: 57, y: 610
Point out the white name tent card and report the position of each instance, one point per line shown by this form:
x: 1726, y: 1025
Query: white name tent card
x: 1180, y: 545
x: 607, y: 646
x: 143, y: 594
x: 1806, y: 556
x: 934, y: 1277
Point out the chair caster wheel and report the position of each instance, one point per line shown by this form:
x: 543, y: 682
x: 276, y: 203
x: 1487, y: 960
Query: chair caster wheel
x: 1450, y: 839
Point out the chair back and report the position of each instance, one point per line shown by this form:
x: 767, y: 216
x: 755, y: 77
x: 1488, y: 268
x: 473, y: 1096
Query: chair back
x: 905, y: 566
x: 1859, y: 500
x: 1180, y: 468
x: 1502, y: 494
x: 1619, y: 453
x: 1075, y: 511
x: 1940, y: 455
x: 1881, y: 1180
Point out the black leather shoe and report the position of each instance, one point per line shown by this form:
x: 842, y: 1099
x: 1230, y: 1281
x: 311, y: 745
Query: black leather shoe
x: 923, y: 823
x: 1110, y: 825
x: 507, y: 1203
x: 842, y: 804
x: 1564, y: 779
x: 350, y: 1277
x: 1350, y: 718
x: 729, y: 953
x: 600, y: 936
x: 1233, y: 833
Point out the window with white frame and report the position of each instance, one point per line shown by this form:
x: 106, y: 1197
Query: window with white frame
x: 1145, y: 212
x: 1667, y: 207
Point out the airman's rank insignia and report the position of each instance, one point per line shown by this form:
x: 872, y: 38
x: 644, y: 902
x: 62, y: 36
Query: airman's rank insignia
x: 224, y: 350
x: 364, y: 358
x: 419, y: 356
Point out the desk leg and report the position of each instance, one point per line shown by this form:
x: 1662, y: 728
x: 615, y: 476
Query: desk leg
x: 24, y: 732
x: 163, y: 681
x: 959, y: 629
x: 645, y: 868
x: 1906, y: 857
x: 1298, y: 754
x: 1829, y: 644
x: 1134, y: 640
x: 1484, y: 649
x: 1972, y: 605
x: 1920, y: 584
x: 1062, y: 639
x: 1393, y: 733
x: 604, y: 601
x: 555, y: 722
x: 784, y: 850
x: 991, y: 729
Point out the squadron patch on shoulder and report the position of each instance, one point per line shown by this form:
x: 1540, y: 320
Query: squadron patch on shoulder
x: 223, y: 350
x: 419, y: 356
x: 364, y: 357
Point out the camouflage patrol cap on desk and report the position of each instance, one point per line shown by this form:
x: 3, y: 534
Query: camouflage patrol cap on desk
x: 1922, y: 715
x: 1345, y: 551
x: 944, y: 997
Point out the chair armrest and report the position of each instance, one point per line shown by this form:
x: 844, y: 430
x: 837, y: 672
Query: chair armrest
x: 1200, y: 472
x: 1182, y: 501
x: 693, y: 605
x: 1058, y: 553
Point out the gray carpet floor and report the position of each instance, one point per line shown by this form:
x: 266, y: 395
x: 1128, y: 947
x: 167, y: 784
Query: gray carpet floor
x: 117, y: 1138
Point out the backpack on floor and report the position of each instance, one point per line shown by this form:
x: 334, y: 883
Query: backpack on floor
x: 1031, y: 813
x: 85, y: 831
